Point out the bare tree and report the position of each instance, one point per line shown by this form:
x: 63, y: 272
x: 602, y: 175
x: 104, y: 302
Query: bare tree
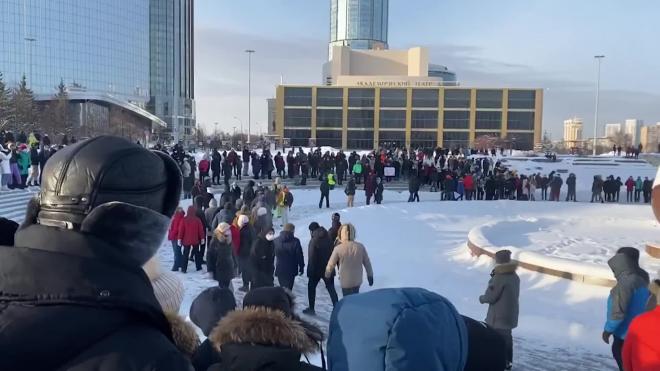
x: 24, y: 114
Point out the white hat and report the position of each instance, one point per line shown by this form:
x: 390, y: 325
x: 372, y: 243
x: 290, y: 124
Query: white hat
x: 262, y: 211
x: 243, y: 220
x: 168, y: 289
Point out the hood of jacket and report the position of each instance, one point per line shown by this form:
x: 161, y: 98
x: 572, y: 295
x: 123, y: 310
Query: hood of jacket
x: 183, y: 334
x: 320, y: 233
x: 397, y: 330
x: 211, y: 306
x: 621, y: 264
x: 505, y: 268
x: 286, y: 236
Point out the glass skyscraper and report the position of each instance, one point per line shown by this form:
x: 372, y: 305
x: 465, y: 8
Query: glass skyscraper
x: 97, y: 46
x: 172, y: 61
x: 360, y: 24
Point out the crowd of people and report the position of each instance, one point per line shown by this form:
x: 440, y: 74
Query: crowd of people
x: 98, y: 283
x: 23, y: 157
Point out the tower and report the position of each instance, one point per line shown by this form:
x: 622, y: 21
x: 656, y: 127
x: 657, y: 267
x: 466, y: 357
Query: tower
x: 359, y: 24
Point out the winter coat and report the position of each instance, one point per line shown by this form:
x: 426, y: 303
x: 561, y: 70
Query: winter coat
x: 486, y: 347
x: 630, y: 185
x: 248, y: 193
x: 290, y: 259
x: 641, y: 350
x: 24, y: 162
x: 223, y: 270
x: 333, y: 232
x: 5, y: 166
x: 191, y: 229
x: 209, y: 215
x: 638, y: 184
x: 379, y: 192
x: 173, y: 233
x: 370, y: 185
x: 468, y: 183
x: 401, y: 329
x: 247, y: 236
x: 223, y: 216
x: 413, y: 184
x: 570, y: 182
x: 318, y: 253
x: 555, y: 185
x: 351, y: 257
x: 118, y: 321
x: 502, y: 295
x: 325, y: 188
x: 34, y: 156
x: 257, y: 338
x: 350, y: 188
x: 628, y: 298
x: 262, y: 262
x: 204, y: 166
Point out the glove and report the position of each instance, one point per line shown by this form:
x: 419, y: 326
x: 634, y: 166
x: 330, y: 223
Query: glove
x: 606, y: 337
x: 371, y: 281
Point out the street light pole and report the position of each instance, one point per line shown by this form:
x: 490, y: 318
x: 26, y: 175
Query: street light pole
x: 599, y: 58
x: 241, y: 122
x: 249, y: 53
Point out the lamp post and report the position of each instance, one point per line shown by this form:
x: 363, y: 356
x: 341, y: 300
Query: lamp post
x: 241, y: 122
x: 598, y: 58
x: 249, y: 53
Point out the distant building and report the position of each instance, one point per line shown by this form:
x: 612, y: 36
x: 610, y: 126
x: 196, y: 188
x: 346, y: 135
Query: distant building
x: 359, y: 24
x: 650, y: 138
x: 632, y: 128
x: 573, y: 130
x: 612, y: 130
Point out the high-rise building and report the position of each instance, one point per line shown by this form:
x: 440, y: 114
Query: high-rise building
x: 612, y: 130
x: 171, y: 49
x: 359, y: 24
x: 650, y: 138
x: 632, y: 128
x: 573, y: 130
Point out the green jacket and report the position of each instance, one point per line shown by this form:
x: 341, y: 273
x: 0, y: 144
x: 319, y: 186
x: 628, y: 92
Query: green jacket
x: 24, y: 162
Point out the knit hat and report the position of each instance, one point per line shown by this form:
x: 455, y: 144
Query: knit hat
x: 262, y: 211
x: 168, y: 289
x: 210, y: 307
x: 336, y: 217
x: 289, y: 227
x: 503, y: 257
x: 243, y: 220
x: 313, y: 226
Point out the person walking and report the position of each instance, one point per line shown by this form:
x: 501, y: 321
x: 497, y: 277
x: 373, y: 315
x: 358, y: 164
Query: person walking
x: 191, y: 236
x: 351, y: 256
x: 379, y: 191
x: 173, y: 237
x: 627, y: 299
x: 325, y: 192
x: 630, y: 188
x: 350, y: 191
x: 639, y: 185
x: 284, y: 202
x: 219, y: 259
x: 318, y: 254
x: 244, y: 249
x: 571, y: 184
x: 502, y: 297
x: 413, y: 188
x: 33, y: 179
x: 262, y: 259
x: 555, y: 188
x: 597, y: 189
x: 641, y: 350
x: 468, y: 184
x: 290, y: 259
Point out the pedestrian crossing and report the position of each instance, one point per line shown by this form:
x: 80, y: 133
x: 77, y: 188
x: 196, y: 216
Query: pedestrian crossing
x: 14, y: 203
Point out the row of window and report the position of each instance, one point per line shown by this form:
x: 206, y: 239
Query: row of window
x: 397, y: 98
x: 396, y: 119
x: 363, y: 139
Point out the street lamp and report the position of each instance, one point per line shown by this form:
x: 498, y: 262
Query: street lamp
x: 241, y: 122
x: 249, y: 53
x: 599, y: 58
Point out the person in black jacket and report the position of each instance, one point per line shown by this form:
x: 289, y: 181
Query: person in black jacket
x: 290, y: 259
x: 248, y: 193
x: 325, y: 193
x: 333, y: 232
x: 318, y: 254
x: 33, y: 179
x: 219, y: 257
x: 216, y: 166
x: 262, y: 259
x: 413, y: 188
x: 89, y: 305
x: 246, y: 238
x: 206, y: 311
x: 8, y: 229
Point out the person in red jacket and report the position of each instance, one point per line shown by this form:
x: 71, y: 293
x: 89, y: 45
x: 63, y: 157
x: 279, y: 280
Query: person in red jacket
x: 641, y: 350
x: 204, y: 167
x: 191, y: 236
x: 173, y: 236
x: 468, y: 184
x: 370, y: 186
x: 630, y: 187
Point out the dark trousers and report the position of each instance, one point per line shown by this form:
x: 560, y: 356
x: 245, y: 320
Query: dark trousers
x: 369, y: 199
x: 617, y: 347
x: 329, y: 284
x: 508, y: 342
x: 216, y: 177
x: 544, y: 194
x: 350, y: 291
x: 177, y: 255
x: 629, y: 196
x: 413, y: 196
x: 286, y: 281
x: 637, y: 193
x: 244, y: 264
x: 327, y: 200
x: 196, y: 254
x: 571, y: 195
x: 468, y: 194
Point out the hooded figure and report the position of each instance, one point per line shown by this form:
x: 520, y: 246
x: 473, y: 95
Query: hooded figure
x: 7, y: 231
x: 219, y: 260
x: 103, y: 210
x: 318, y: 254
x: 397, y: 330
x: 206, y: 311
x: 262, y: 258
x: 350, y: 255
x: 627, y: 300
x: 265, y: 335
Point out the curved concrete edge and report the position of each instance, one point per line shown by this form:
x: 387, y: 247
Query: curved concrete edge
x: 588, y: 273
x: 653, y: 250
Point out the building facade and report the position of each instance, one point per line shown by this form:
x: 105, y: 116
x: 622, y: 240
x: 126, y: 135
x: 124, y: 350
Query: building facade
x: 650, y: 138
x: 359, y: 24
x: 632, y: 128
x: 573, y: 130
x: 361, y: 117
x: 612, y: 130
x: 171, y: 69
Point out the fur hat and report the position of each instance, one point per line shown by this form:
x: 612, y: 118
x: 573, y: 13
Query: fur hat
x: 336, y: 217
x: 210, y: 307
x: 168, y: 289
x: 222, y: 227
x: 262, y: 211
x: 243, y: 220
x: 503, y: 257
x: 289, y: 227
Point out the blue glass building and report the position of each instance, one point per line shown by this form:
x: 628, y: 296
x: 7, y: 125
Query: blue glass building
x: 359, y: 24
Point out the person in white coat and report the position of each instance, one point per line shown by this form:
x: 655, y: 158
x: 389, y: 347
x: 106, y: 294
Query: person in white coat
x: 351, y: 257
x: 5, y: 168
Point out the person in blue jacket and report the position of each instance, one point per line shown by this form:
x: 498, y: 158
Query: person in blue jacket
x: 290, y: 260
x: 405, y: 329
x: 627, y: 300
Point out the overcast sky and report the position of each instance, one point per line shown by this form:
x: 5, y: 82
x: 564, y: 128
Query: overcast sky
x: 546, y: 44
